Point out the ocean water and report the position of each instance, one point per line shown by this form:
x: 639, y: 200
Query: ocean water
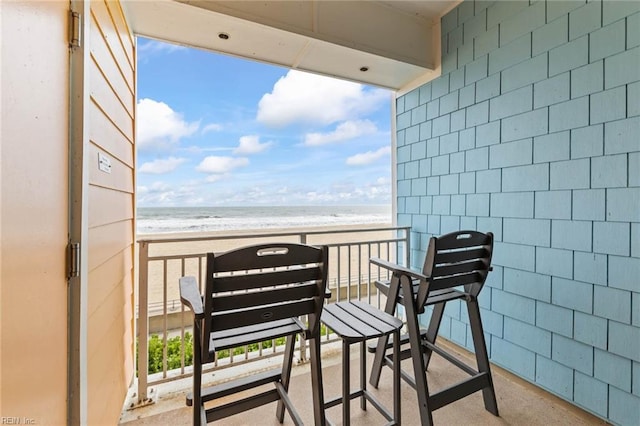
x: 156, y: 220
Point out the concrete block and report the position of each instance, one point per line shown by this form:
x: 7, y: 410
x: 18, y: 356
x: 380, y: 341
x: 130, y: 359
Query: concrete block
x: 528, y: 284
x: 528, y: 72
x: 449, y: 102
x: 590, y: 330
x: 433, y: 147
x: 458, y: 332
x: 467, y: 95
x: 633, y: 96
x: 609, y: 105
x: 569, y: 114
x: 486, y: 42
x: 425, y: 209
x: 587, y: 141
x: 512, y: 204
x: 412, y: 205
x: 400, y: 138
x: 622, y: 68
x: 456, y: 79
x: 527, y: 336
x: 404, y: 154
x: 569, y: 56
x: 412, y: 134
x: 612, y: 304
x: 501, y: 11
x: 433, y: 185
x: 554, y: 376
x: 494, y: 280
x: 491, y: 322
x: 612, y: 369
x: 611, y: 238
x: 511, y: 103
x: 433, y: 224
x: 571, y: 235
x: 636, y: 378
x: 522, y: 23
x: 449, y: 143
x: 571, y: 294
x: 449, y: 21
x: 589, y: 204
x: 609, y: 171
x: 477, y: 159
x: 607, y: 41
x: 400, y: 172
x: 551, y: 91
x: 573, y: 354
x: 441, y: 204
x: 467, y: 139
x: 418, y: 186
x: 613, y: 11
x: 488, y: 134
x: 590, y: 268
x: 553, y: 205
x: 449, y: 224
x: 424, y: 95
x: 419, y: 114
x: 552, y: 147
x: 513, y: 306
x: 623, y: 204
x: 623, y: 407
x: 455, y: 39
x: 411, y: 170
x: 458, y: 119
x: 514, y: 358
x: 488, y: 88
x: 554, y: 34
x: 587, y: 79
x: 514, y: 256
x: 488, y: 181
x: 622, y: 136
x: 508, y: 55
x: 411, y: 99
x: 440, y: 165
x: 467, y: 222
x: 585, y: 20
x: 525, y: 125
x: 400, y: 105
x: 403, y: 120
x: 624, y: 272
x: 555, y: 262
x: 624, y: 340
x: 633, y: 31
x: 475, y: 26
x: 456, y: 162
x: 478, y: 114
x: 572, y: 174
x: 467, y: 183
x: 635, y: 244
x: 491, y: 224
x: 440, y: 86
x: 554, y: 318
x: 425, y: 130
x: 404, y: 188
x: 433, y: 109
x: 556, y: 9
x: 591, y: 394
x: 458, y: 205
x: 449, y: 184
x: 441, y: 125
x: 425, y: 167
x: 511, y: 154
x: 526, y: 178
x: 477, y: 205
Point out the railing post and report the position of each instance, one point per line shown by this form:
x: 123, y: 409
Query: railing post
x: 143, y: 323
x: 407, y: 247
x: 303, y: 342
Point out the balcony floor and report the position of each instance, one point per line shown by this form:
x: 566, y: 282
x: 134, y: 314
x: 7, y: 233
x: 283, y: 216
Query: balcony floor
x: 519, y: 402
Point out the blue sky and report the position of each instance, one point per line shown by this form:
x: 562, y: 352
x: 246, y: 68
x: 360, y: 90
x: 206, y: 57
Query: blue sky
x: 215, y: 130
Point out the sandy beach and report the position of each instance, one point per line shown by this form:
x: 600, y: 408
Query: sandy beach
x: 175, y: 255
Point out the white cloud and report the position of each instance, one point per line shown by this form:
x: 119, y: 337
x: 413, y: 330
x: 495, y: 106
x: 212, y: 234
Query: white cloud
x: 159, y: 126
x: 221, y: 165
x: 161, y: 166
x: 344, y: 131
x: 314, y: 99
x: 153, y: 46
x: 213, y: 127
x: 251, y: 145
x: 368, y: 157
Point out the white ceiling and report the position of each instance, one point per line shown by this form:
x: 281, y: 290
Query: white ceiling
x: 397, y: 41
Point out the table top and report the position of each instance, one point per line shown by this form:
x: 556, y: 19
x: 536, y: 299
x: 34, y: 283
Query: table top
x: 356, y: 321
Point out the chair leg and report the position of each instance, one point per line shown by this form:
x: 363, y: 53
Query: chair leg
x: 319, y: 418
x: 482, y: 358
x: 419, y: 368
x: 381, y: 349
x: 197, y: 376
x: 432, y: 330
x: 285, y: 376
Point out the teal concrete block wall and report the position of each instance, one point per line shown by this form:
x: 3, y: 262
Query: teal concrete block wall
x: 533, y: 132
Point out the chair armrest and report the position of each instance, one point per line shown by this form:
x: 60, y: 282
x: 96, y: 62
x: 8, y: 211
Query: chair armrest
x: 395, y: 268
x: 190, y: 296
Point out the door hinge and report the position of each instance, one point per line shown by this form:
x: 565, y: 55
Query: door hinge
x: 73, y: 260
x: 74, y: 29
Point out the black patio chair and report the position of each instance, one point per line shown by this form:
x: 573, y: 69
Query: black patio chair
x: 254, y: 294
x: 455, y: 268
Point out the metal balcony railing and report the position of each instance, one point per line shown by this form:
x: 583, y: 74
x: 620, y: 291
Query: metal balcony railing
x: 162, y: 261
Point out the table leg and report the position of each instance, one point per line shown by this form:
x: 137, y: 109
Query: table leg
x: 346, y: 391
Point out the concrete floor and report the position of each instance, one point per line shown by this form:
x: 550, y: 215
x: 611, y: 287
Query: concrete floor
x: 519, y: 402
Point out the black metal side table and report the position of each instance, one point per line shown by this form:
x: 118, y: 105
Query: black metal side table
x: 357, y: 322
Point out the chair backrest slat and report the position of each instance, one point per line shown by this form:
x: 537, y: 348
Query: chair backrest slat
x: 253, y: 280
x: 266, y: 256
x: 460, y: 258
x: 265, y: 313
x: 264, y: 297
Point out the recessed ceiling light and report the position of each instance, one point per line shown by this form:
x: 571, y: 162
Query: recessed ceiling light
x: 223, y: 36
x: 364, y: 69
